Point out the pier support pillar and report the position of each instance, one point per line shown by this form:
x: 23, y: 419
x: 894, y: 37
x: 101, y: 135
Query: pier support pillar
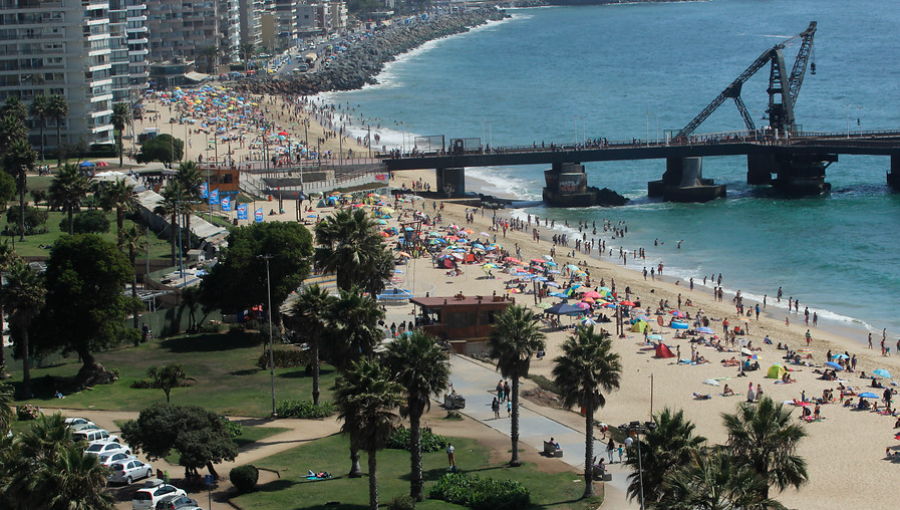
x: 451, y: 181
x: 760, y: 168
x: 893, y: 177
x: 802, y: 174
x: 683, y: 182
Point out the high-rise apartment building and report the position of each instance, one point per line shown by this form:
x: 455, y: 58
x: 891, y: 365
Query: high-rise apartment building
x: 230, y: 30
x: 181, y: 29
x: 79, y: 49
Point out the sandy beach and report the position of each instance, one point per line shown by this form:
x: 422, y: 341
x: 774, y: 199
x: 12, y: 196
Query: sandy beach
x: 846, y: 445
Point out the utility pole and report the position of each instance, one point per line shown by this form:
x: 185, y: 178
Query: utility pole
x: 269, y: 314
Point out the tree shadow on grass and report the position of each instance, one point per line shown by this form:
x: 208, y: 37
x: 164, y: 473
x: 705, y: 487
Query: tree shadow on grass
x: 249, y: 371
x: 209, y: 343
x: 300, y: 373
x: 277, y: 485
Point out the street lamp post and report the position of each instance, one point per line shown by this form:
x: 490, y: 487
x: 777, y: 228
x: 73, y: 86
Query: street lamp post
x: 271, y: 344
x: 637, y: 428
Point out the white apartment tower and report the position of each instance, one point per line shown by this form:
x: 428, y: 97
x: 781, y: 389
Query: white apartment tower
x: 79, y: 49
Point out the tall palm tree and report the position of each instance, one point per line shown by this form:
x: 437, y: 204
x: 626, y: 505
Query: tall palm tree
x: 6, y: 402
x: 19, y: 159
x: 715, y: 481
x: 11, y: 129
x: 68, y: 190
x: 663, y: 449
x: 351, y: 247
x: 13, y: 107
x: 58, y: 109
x: 23, y: 295
x: 209, y: 54
x: 189, y: 178
x: 309, y: 318
x: 76, y: 482
x: 587, y: 368
x: 133, y: 240
x: 367, y: 396
x: 418, y: 363
x: 7, y: 257
x: 39, y: 111
x: 763, y: 437
x: 169, y: 206
x: 247, y: 50
x: 121, y: 117
x: 118, y: 196
x: 514, y: 339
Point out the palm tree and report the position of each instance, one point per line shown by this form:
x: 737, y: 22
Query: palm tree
x: 586, y: 369
x: 13, y: 107
x: 514, y: 339
x: 133, y: 240
x: 351, y: 247
x: 7, y: 258
x: 366, y: 396
x: 247, y: 50
x: 663, y: 449
x: 6, y: 402
x: 11, y: 129
x: 309, y: 318
x: 763, y: 438
x: 19, y: 159
x: 58, y: 109
x: 716, y: 481
x: 209, y: 54
x: 118, y: 196
x: 121, y: 117
x: 39, y: 111
x: 169, y: 206
x: 418, y: 363
x: 24, y: 295
x: 68, y: 190
x: 76, y: 482
x: 189, y: 178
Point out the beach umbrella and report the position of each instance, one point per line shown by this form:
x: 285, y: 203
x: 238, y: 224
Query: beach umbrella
x: 706, y: 330
x: 746, y: 352
x: 559, y: 295
x: 404, y: 254
x: 540, y: 279
x: 711, y: 382
x: 587, y: 299
x: 582, y: 305
x: 592, y: 294
x: 553, y: 271
x: 552, y: 284
x: 868, y: 394
x: 563, y: 309
x: 587, y: 321
x: 626, y: 303
x: 543, y: 305
x: 841, y: 355
x: 573, y: 267
x: 882, y: 373
x: 513, y: 291
x: 835, y: 366
x: 551, y: 264
x: 548, y: 258
x: 484, y: 233
x: 657, y: 338
x: 678, y: 313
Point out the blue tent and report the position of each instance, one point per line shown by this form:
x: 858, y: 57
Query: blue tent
x: 563, y: 309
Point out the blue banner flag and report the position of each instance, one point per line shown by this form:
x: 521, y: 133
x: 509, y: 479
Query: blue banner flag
x: 242, y: 211
x: 204, y: 190
x: 214, y: 196
x: 226, y: 204
x: 258, y: 215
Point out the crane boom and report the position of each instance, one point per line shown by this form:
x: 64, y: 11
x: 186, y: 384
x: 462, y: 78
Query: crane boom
x: 794, y: 82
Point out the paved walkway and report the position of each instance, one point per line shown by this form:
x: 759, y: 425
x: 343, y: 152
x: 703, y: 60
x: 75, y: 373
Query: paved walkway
x: 476, y: 382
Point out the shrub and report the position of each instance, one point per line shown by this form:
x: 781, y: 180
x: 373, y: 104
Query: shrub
x: 285, y: 359
x: 244, y: 478
x: 304, y: 409
x: 481, y: 493
x: 87, y: 222
x: 431, y: 442
x: 404, y: 502
x: 27, y: 412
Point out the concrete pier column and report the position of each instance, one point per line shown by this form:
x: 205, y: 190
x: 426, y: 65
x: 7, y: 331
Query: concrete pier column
x: 451, y: 181
x: 802, y: 174
x: 683, y: 182
x: 760, y: 168
x: 893, y: 176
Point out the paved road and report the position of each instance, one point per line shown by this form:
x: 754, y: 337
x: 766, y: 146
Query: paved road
x: 476, y: 382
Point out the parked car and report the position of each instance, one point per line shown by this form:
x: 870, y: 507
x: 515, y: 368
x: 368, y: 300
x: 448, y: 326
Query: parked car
x: 153, y: 491
x: 94, y: 435
x: 78, y: 422
x: 106, y: 448
x: 108, y: 459
x: 128, y: 471
x: 175, y: 503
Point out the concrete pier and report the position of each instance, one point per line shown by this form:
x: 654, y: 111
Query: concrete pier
x: 451, y: 181
x: 683, y: 182
x: 893, y: 176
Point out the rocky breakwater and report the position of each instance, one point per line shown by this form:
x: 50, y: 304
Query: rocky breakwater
x: 364, y: 60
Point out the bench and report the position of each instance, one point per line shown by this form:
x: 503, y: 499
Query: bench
x: 599, y: 474
x: 551, y: 450
x: 454, y: 402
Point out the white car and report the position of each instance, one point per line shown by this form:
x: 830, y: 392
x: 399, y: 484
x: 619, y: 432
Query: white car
x: 106, y: 448
x: 108, y: 459
x: 78, y: 422
x: 155, y: 490
x: 128, y: 471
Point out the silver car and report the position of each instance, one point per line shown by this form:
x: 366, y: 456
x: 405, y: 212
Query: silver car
x: 128, y: 471
x: 108, y: 459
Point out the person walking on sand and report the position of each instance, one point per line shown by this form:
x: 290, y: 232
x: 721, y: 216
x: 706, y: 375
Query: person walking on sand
x: 808, y: 337
x: 870, y: 339
x: 610, y: 448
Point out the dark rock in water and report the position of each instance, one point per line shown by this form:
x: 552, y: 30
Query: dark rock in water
x: 608, y: 198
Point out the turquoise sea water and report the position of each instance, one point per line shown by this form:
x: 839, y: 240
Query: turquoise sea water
x: 554, y: 74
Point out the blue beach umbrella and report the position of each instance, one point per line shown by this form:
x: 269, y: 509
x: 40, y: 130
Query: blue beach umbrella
x: 882, y: 373
x: 868, y: 394
x: 836, y: 366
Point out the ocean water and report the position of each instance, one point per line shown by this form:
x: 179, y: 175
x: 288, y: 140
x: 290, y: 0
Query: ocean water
x: 632, y: 71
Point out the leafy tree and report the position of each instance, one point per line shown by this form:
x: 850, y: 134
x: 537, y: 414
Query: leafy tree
x: 118, y: 196
x: 366, y: 396
x: 6, y: 412
x: 68, y: 190
x: 38, y: 195
x: 419, y: 364
x: 190, y: 299
x: 240, y: 279
x: 309, y: 318
x: 587, y: 368
x: 202, y: 438
x: 351, y: 247
x: 121, y: 117
x: 663, y: 450
x: 167, y: 377
x: 85, y: 308
x: 715, y: 481
x: 7, y: 189
x: 763, y: 438
x: 513, y: 341
x: 160, y: 148
x: 87, y: 222
x: 35, y: 220
x: 23, y: 296
x: 40, y: 111
x: 58, y: 109
x: 18, y: 160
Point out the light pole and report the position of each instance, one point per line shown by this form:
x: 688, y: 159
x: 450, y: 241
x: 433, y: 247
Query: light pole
x: 848, y: 119
x: 656, y: 117
x: 636, y: 428
x: 271, y: 345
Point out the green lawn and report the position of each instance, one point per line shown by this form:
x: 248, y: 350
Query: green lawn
x: 292, y: 491
x: 223, y: 367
